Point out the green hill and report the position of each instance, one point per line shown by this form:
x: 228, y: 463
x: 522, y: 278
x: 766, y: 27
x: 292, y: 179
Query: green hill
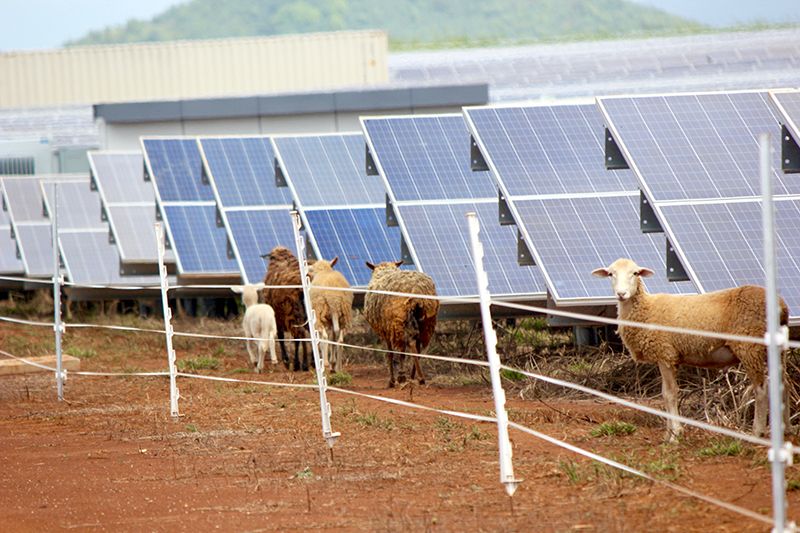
x: 410, y: 23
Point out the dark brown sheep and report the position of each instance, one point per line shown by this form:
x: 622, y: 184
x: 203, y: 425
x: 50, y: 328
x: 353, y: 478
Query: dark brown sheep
x: 290, y: 314
x: 399, y: 320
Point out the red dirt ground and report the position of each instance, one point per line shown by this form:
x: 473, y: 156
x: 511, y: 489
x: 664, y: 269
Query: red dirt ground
x: 246, y: 457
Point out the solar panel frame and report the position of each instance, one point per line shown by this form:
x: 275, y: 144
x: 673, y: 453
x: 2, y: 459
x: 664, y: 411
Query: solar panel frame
x: 237, y: 233
x: 512, y: 200
x: 10, y: 264
x: 787, y: 103
x: 488, y: 193
x: 207, y: 201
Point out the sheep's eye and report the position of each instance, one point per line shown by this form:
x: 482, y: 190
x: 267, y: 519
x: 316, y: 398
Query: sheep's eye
x: 635, y: 273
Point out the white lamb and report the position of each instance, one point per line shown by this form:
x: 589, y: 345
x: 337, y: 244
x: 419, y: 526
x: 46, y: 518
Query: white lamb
x: 258, y: 323
x: 739, y: 311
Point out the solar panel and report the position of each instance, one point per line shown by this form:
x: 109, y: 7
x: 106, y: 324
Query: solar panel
x: 696, y: 146
x: 787, y: 103
x: 78, y: 205
x: 188, y: 207
x: 355, y: 236
x: 572, y: 213
x: 254, y: 211
x: 725, y: 244
x: 34, y: 242
x: 24, y: 200
x: 327, y: 170
x: 9, y: 262
x: 696, y: 157
x: 424, y: 163
x: 129, y: 204
x: 425, y: 157
x: 89, y: 259
x: 343, y: 209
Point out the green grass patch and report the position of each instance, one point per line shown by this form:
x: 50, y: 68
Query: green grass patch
x: 571, y: 470
x: 305, y: 473
x: 198, y: 363
x: 511, y: 375
x: 372, y: 420
x: 793, y: 484
x: 191, y: 428
x: 81, y: 353
x: 338, y: 379
x: 722, y: 448
x: 613, y: 429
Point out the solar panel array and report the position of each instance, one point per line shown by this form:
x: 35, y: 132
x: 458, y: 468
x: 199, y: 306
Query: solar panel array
x: 253, y: 210
x: 188, y: 207
x: 343, y: 209
x: 88, y: 256
x: 129, y: 204
x: 424, y: 163
x: 10, y: 263
x: 787, y: 103
x: 696, y: 157
x: 573, y: 215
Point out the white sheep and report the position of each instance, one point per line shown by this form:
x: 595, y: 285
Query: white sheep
x: 333, y: 308
x: 740, y: 311
x: 258, y: 323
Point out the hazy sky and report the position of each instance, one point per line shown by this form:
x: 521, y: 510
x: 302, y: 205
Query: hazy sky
x: 48, y: 23
x: 29, y: 24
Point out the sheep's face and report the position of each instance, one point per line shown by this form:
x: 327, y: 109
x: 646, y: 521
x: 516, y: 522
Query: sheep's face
x: 624, y: 275
x: 321, y: 265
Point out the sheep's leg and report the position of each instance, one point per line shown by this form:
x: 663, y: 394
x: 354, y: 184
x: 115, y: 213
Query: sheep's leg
x: 282, y: 341
x: 305, y: 351
x: 761, y: 403
x: 753, y: 357
x: 669, y: 390
x: 401, y: 364
x: 339, y: 352
x: 324, y: 348
x: 273, y: 359
x: 335, y: 334
x: 390, y: 361
x: 250, y: 350
x: 417, y: 369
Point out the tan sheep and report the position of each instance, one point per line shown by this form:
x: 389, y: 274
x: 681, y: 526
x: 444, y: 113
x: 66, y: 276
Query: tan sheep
x: 401, y: 321
x: 290, y: 315
x: 739, y: 311
x: 333, y: 309
x: 258, y: 323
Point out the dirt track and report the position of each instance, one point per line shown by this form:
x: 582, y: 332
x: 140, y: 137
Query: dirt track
x: 249, y: 457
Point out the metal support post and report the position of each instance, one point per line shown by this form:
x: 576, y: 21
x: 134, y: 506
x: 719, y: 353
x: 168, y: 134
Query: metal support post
x: 58, y: 326
x: 779, y: 455
x: 174, y: 395
x: 322, y: 382
x: 504, y: 444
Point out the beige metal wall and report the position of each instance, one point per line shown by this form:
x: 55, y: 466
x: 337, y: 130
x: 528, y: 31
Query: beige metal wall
x: 193, y: 69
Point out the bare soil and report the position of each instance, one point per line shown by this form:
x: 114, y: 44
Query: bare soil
x: 247, y: 457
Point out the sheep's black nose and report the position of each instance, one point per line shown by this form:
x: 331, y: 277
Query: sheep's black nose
x: 621, y: 295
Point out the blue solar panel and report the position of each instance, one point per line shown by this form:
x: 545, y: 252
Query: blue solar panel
x: 243, y: 171
x: 547, y: 149
x: 723, y: 244
x: 328, y: 170
x: 355, y: 236
x: 573, y: 236
x: 698, y: 146
x: 256, y: 232
x: 200, y: 246
x: 426, y: 157
x: 440, y: 238
x: 176, y: 167
x: 119, y: 177
x: 788, y: 103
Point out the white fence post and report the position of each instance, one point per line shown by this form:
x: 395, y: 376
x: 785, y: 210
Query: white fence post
x: 322, y: 382
x: 58, y: 327
x: 162, y: 271
x: 781, y: 452
x: 504, y: 445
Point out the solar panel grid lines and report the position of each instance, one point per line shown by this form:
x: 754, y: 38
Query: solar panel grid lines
x: 253, y: 211
x: 10, y: 264
x: 119, y: 177
x: 188, y: 207
x: 695, y: 145
x: 78, y: 206
x: 431, y: 198
x: 572, y: 214
x: 342, y: 208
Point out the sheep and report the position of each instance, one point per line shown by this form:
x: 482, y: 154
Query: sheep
x: 740, y: 311
x: 258, y: 323
x: 399, y: 320
x: 290, y: 315
x: 333, y: 309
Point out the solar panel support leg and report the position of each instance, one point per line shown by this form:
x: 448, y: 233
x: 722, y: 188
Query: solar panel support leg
x: 504, y: 444
x: 790, y: 152
x: 322, y: 382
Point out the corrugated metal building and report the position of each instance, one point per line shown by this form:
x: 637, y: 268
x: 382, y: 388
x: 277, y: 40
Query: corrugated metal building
x: 193, y: 69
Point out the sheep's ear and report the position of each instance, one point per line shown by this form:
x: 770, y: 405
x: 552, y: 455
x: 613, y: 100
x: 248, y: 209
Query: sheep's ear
x: 601, y: 272
x: 370, y: 265
x: 645, y: 272
x: 238, y: 289
x: 333, y: 261
x: 398, y: 263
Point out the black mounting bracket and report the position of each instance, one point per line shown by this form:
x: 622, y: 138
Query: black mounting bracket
x: 648, y: 222
x: 391, y: 217
x: 477, y: 161
x: 614, y: 158
x: 405, y: 253
x: 111, y: 238
x: 218, y: 216
x: 790, y: 152
x: 280, y: 179
x: 372, y: 168
x: 92, y: 181
x: 524, y: 255
x: 675, y: 270
x: 204, y: 176
x: 146, y: 173
x: 504, y: 212
x: 229, y: 249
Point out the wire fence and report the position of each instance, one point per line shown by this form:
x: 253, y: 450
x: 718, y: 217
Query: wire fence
x: 322, y: 387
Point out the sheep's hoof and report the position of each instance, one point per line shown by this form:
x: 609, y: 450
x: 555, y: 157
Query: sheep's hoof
x: 305, y: 368
x: 391, y: 384
x: 401, y: 378
x: 422, y: 381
